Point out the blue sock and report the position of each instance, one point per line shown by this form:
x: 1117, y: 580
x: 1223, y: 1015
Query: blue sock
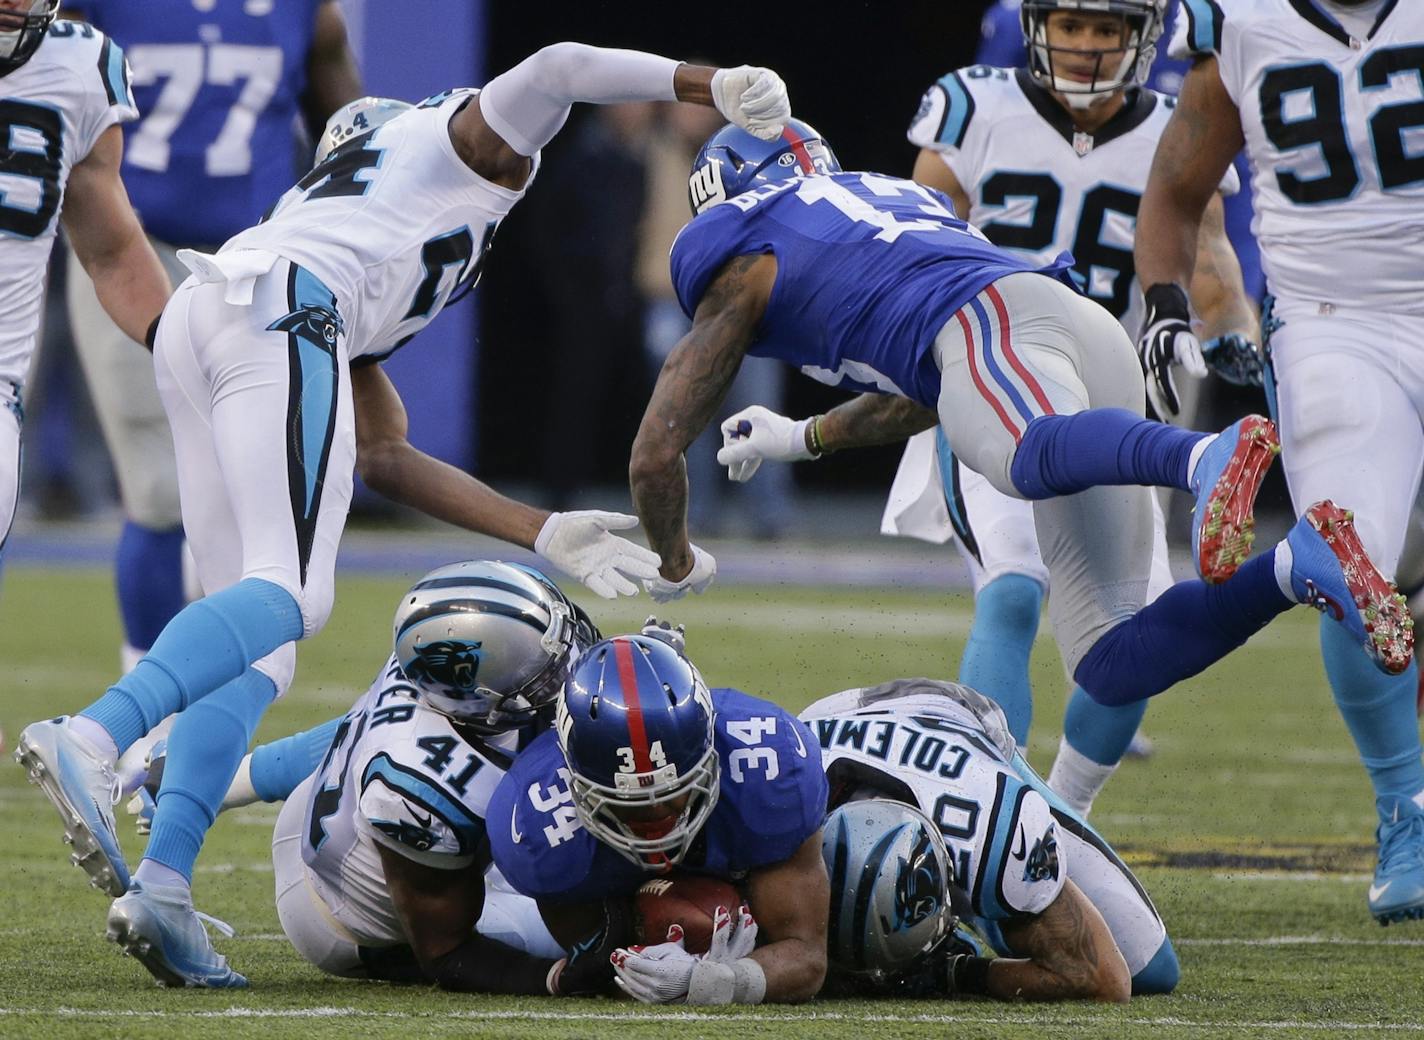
x: 204, y: 749
x: 210, y: 642
x: 1099, y: 732
x: 1065, y: 454
x: 1190, y: 626
x: 1379, y: 711
x: 277, y: 768
x: 995, y: 661
x: 149, y: 574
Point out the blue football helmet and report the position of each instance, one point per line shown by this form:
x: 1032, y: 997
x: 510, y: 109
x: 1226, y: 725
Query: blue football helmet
x: 890, y: 876
x: 733, y: 161
x: 488, y: 644
x: 22, y: 32
x: 636, y: 728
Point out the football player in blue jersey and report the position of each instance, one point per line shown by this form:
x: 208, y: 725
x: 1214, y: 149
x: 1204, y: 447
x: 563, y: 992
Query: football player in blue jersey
x: 219, y: 89
x: 871, y: 283
x: 647, y: 769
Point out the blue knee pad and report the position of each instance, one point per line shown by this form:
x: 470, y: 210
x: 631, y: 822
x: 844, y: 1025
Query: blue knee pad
x: 1378, y: 709
x: 1161, y: 974
x: 277, y: 768
x: 1099, y: 732
x: 148, y: 571
x: 996, y: 656
x: 210, y: 642
x: 204, y: 749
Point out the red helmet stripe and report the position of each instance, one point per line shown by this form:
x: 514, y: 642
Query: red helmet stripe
x: 628, y: 678
x: 798, y: 149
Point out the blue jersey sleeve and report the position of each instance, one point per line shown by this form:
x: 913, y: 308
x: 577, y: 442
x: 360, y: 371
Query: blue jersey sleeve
x: 536, y: 838
x: 773, y: 786
x: 703, y: 247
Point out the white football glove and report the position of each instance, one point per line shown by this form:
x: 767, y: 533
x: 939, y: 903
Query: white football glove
x: 704, y: 569
x: 580, y: 544
x: 733, y: 935
x: 673, y: 635
x: 753, y: 98
x: 655, y: 974
x: 758, y: 433
x: 1167, y: 341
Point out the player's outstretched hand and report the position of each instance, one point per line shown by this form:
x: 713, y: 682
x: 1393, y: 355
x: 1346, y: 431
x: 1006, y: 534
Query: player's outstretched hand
x: 582, y: 544
x: 1235, y: 358
x: 753, y: 98
x: 1167, y: 341
x: 673, y: 635
x: 758, y: 433
x: 704, y: 569
x: 656, y: 974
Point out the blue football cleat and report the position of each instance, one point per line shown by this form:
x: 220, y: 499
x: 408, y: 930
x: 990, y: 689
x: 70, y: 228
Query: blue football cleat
x: 83, y: 787
x: 1397, y: 893
x: 158, y: 925
x: 1331, y: 572
x: 1225, y: 481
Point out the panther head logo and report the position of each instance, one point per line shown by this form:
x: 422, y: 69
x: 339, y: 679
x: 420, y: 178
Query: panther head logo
x: 314, y: 322
x: 451, y: 663
x: 920, y: 885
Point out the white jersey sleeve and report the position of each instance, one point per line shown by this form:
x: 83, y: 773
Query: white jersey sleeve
x: 52, y: 110
x: 1330, y: 125
x: 949, y: 120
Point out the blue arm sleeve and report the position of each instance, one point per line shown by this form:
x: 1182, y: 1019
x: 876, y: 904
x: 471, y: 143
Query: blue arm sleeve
x: 277, y: 768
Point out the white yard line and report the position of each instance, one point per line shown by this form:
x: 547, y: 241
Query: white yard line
x: 1298, y: 940
x: 1051, y: 1018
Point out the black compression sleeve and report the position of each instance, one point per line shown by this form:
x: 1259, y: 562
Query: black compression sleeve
x: 484, y: 965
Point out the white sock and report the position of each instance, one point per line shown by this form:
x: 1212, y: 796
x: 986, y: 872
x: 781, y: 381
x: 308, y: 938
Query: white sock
x: 103, y: 741
x: 1076, y: 778
x: 152, y: 872
x: 1197, y: 449
x: 1284, y: 560
x: 240, y: 792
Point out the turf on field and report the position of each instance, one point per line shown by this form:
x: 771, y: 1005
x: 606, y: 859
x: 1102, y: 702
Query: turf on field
x: 1252, y: 829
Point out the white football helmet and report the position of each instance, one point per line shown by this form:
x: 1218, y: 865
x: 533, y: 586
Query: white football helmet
x: 355, y: 118
x: 1113, y: 69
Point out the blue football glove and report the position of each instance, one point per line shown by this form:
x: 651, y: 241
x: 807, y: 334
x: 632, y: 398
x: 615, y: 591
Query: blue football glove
x: 1235, y: 358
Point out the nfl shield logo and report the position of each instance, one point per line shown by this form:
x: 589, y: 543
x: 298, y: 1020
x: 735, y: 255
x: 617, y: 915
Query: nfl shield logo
x: 1082, y: 143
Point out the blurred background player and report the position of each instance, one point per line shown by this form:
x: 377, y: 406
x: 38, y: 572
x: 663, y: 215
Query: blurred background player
x: 1068, y: 917
x: 269, y: 378
x: 63, y: 91
x: 648, y: 770
x: 1324, y: 96
x: 1051, y: 157
x: 220, y: 88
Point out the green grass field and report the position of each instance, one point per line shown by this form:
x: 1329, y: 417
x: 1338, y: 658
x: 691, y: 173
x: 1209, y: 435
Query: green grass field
x: 1252, y: 827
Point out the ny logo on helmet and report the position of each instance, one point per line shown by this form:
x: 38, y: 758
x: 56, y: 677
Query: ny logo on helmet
x: 705, y: 186
x: 451, y: 663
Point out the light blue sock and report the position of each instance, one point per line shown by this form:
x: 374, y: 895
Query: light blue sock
x: 1097, y: 731
x: 995, y: 661
x: 208, y: 643
x: 1379, y: 711
x: 277, y: 768
x: 204, y: 749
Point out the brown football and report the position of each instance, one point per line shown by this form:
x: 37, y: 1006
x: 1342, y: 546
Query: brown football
x: 686, y: 899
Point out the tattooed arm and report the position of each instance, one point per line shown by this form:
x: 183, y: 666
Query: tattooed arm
x: 1202, y: 137
x: 690, y: 387
x: 1218, y: 293
x: 873, y: 419
x: 1069, y: 955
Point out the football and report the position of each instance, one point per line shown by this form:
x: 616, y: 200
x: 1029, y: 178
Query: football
x: 686, y: 899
